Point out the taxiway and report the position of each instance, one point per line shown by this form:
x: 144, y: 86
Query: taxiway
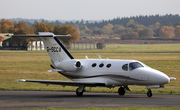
x: 12, y: 100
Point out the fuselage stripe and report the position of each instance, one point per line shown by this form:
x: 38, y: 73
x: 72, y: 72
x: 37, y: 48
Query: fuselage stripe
x: 107, y: 75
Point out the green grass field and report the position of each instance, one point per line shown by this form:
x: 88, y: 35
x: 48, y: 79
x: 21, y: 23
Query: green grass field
x: 140, y: 48
x: 34, y: 65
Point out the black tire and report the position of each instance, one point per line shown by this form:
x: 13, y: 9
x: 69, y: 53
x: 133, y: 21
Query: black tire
x: 149, y: 93
x: 121, y: 91
x: 78, y: 93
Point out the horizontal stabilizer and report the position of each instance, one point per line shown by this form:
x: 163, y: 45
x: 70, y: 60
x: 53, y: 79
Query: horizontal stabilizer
x: 38, y: 35
x: 65, y: 83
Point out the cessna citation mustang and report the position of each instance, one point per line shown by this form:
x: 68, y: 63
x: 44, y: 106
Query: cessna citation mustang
x: 97, y: 72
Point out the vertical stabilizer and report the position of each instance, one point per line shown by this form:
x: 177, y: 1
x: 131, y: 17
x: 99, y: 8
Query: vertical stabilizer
x: 54, y: 47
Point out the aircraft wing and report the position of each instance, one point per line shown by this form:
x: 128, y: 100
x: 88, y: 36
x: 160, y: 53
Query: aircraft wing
x: 64, y: 83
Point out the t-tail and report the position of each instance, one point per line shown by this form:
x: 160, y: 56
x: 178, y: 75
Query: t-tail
x: 57, y: 52
x: 61, y: 59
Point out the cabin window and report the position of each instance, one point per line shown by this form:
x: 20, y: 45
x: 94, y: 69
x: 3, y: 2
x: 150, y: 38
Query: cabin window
x: 125, y: 67
x: 108, y: 65
x: 135, y: 65
x: 94, y: 65
x: 101, y: 65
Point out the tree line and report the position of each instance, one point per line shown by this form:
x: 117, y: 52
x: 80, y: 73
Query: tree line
x: 169, y: 20
x: 164, y: 20
x: 132, y: 30
x: 166, y: 26
x: 21, y: 27
x: 142, y: 27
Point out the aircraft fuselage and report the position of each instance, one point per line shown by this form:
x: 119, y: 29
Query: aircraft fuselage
x: 113, y: 73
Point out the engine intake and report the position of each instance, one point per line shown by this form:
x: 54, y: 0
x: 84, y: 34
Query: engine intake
x: 77, y: 64
x: 69, y: 65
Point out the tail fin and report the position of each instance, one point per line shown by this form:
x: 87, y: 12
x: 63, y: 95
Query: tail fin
x: 54, y: 47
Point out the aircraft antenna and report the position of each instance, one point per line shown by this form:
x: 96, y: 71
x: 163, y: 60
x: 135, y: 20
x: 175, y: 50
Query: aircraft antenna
x: 99, y: 57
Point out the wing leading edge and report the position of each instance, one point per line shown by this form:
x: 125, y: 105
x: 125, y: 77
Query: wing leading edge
x: 65, y: 83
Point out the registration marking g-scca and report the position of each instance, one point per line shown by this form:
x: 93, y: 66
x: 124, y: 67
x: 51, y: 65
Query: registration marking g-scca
x: 53, y: 49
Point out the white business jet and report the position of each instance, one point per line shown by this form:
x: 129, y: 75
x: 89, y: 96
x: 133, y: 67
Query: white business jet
x: 97, y: 72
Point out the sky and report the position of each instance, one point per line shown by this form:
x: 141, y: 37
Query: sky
x: 85, y: 9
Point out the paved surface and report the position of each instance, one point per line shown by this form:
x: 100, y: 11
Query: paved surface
x: 15, y: 100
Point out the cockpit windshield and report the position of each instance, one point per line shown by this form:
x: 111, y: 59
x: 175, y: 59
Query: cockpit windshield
x: 135, y: 65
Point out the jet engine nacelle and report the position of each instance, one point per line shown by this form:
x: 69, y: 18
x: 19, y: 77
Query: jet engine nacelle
x: 69, y: 65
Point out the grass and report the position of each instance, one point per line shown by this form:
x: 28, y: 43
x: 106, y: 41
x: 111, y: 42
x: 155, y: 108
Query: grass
x: 34, y: 65
x: 119, y: 48
x: 142, y: 48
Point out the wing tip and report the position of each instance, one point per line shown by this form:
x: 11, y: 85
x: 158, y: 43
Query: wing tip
x: 172, y: 78
x: 20, y: 80
x: 54, y: 70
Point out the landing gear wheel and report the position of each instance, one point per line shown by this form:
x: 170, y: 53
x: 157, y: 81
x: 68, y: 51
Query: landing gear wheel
x: 121, y: 91
x: 149, y: 93
x: 79, y: 93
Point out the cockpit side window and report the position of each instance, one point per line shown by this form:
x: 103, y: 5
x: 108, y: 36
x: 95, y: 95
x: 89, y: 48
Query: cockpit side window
x: 125, y: 67
x: 134, y: 65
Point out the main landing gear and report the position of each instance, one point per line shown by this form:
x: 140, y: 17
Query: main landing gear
x: 149, y: 93
x: 80, y: 90
x: 122, y: 90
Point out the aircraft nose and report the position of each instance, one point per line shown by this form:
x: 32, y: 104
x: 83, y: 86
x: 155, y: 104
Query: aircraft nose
x: 158, y: 77
x: 165, y: 79
x: 162, y: 78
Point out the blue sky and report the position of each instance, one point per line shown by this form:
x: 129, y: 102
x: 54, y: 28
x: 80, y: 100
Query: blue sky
x: 85, y: 9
